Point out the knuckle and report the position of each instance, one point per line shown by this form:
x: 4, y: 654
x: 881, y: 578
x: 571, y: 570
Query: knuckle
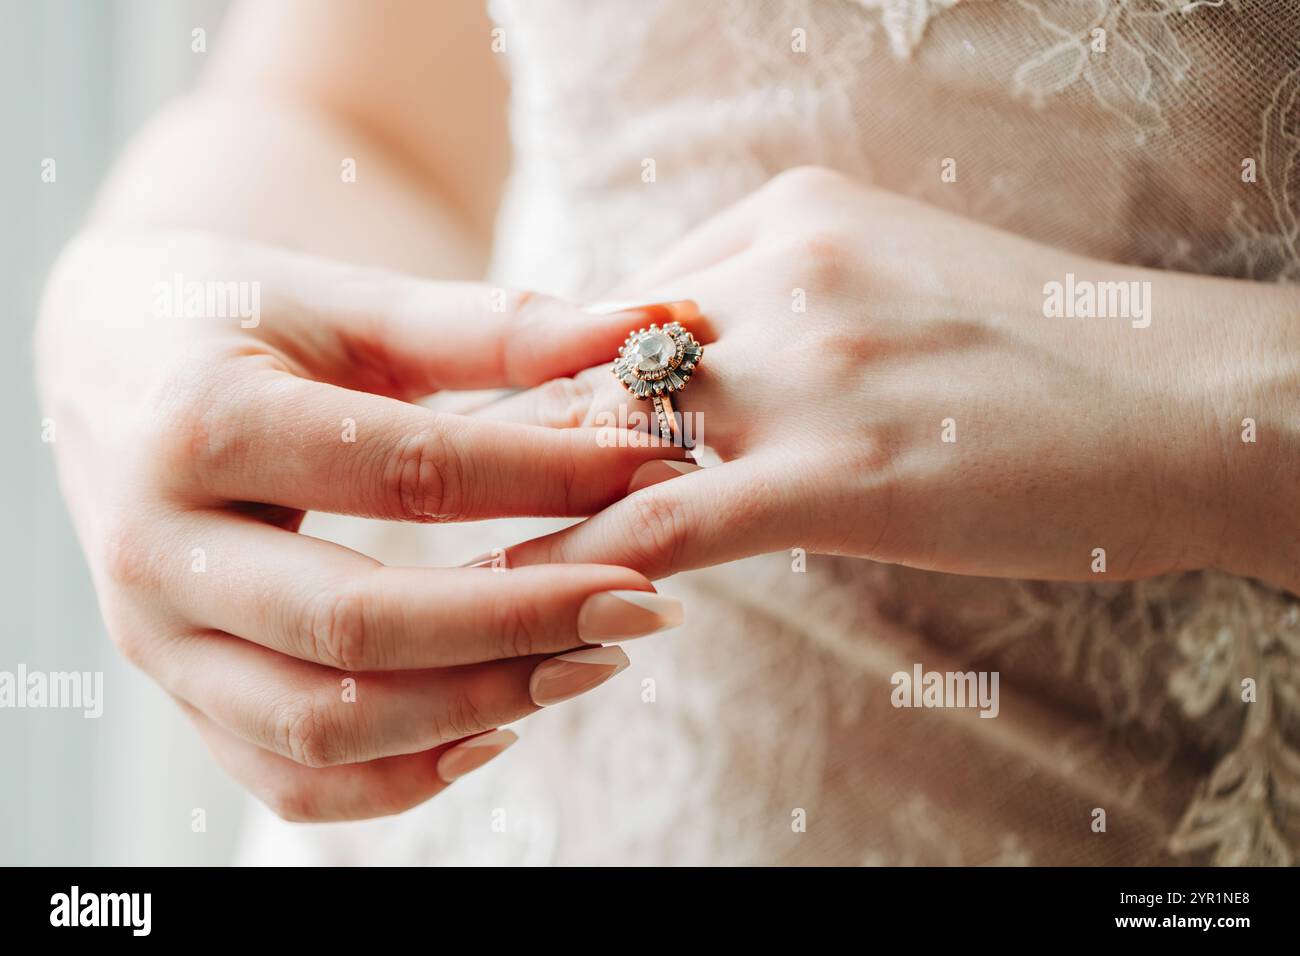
x: 198, y: 430
x: 304, y: 733
x: 657, y: 531
x: 461, y: 715
x: 520, y: 359
x: 823, y: 259
x: 564, y: 402
x: 338, y: 629
x: 129, y: 560
x: 610, y: 404
x: 423, y: 478
x: 519, y: 627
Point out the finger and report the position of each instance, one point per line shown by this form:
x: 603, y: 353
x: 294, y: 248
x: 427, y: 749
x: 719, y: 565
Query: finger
x: 280, y: 440
x: 317, y: 716
x: 716, y: 409
x: 350, y: 792
x: 321, y: 602
x: 721, y: 237
x: 630, y: 316
x: 406, y: 336
x: 716, y: 288
x: 701, y: 518
x: 765, y: 212
x: 596, y: 398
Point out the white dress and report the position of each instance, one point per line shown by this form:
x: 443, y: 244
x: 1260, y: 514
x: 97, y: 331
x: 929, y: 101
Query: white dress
x: 762, y: 731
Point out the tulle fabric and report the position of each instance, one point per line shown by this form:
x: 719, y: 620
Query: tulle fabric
x: 762, y: 731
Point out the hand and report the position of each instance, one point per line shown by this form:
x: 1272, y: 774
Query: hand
x: 190, y: 447
x: 923, y: 410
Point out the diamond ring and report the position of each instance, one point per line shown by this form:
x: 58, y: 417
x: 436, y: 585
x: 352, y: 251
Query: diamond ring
x: 656, y: 361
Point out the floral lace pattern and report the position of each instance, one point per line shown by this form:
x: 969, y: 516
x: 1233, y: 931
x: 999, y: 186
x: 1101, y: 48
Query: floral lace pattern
x: 762, y: 731
x: 904, y: 21
x: 1167, y: 660
x: 1126, y: 52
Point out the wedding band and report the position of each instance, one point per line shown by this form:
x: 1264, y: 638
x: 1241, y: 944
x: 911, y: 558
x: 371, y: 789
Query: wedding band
x: 656, y: 361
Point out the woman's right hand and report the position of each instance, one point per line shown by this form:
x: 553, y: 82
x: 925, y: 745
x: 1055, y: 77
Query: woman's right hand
x: 189, y: 449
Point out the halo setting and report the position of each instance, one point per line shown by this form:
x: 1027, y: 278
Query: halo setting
x: 656, y: 360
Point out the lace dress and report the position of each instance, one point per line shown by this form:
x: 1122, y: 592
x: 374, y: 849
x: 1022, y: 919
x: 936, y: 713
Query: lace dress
x: 1160, y: 132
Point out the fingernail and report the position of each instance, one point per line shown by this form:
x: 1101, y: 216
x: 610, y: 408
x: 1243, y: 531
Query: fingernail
x: 653, y: 472
x: 619, y: 615
x: 611, y: 308
x: 494, y: 559
x: 658, y: 311
x: 473, y: 753
x: 570, y: 674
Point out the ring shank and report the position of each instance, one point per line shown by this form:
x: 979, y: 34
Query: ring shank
x: 663, y: 403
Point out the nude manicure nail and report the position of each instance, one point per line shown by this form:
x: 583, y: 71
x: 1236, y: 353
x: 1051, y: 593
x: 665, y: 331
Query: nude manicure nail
x: 571, y: 674
x: 612, y: 308
x: 620, y: 615
x: 653, y: 472
x: 473, y: 753
x: 656, y: 311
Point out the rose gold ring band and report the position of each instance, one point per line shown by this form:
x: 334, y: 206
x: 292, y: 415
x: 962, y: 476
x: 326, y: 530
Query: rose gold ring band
x: 657, y: 360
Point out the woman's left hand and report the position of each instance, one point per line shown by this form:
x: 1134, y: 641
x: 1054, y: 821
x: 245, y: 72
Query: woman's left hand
x: 880, y: 379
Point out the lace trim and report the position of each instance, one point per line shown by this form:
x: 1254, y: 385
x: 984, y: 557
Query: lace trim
x: 905, y: 21
x: 1263, y: 247
x: 1142, y: 56
x: 1223, y: 630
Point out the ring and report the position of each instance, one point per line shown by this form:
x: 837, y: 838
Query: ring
x: 656, y: 361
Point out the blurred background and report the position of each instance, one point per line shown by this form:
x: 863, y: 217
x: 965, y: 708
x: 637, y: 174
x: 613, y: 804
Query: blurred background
x: 77, y: 77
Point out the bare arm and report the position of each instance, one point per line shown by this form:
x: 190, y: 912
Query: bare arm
x: 409, y: 90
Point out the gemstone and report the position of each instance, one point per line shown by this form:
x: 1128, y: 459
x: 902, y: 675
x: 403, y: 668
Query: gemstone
x: 652, y: 352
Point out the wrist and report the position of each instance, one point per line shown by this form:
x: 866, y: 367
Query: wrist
x: 1261, y: 531
x: 1257, y: 418
x: 1220, y: 369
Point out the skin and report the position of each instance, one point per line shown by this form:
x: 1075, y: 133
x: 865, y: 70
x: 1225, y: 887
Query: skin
x: 177, y: 434
x: 1071, y: 434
